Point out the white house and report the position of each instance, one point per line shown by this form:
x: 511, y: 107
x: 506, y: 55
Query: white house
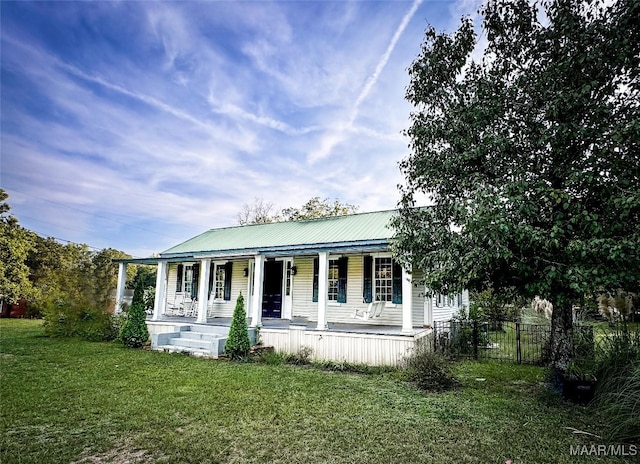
x: 330, y: 284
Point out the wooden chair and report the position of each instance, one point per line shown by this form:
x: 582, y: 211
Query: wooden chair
x: 177, y: 308
x: 373, y: 310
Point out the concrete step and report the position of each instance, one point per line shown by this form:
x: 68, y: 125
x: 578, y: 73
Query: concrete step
x: 200, y: 335
x: 208, y: 329
x: 186, y: 349
x: 191, y: 342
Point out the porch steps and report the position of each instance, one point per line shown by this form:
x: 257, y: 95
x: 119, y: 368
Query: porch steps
x: 196, y: 340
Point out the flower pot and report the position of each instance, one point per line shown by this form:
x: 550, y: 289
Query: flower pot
x: 577, y: 390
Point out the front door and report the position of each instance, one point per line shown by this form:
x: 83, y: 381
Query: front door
x: 272, y: 289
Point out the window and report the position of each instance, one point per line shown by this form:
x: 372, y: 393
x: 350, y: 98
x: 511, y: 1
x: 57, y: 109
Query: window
x: 287, y: 283
x: 336, y: 280
x: 383, y: 274
x: 382, y: 280
x: 448, y: 300
x: 188, y: 279
x: 179, y: 278
x: 332, y: 293
x: 219, y: 282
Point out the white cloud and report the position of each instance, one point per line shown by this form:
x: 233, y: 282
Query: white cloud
x: 167, y: 117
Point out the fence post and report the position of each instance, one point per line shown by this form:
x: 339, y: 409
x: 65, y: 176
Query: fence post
x: 518, y: 352
x: 435, y: 337
x: 475, y: 340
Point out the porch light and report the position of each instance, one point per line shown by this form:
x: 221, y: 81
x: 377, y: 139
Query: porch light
x: 294, y: 270
x: 245, y: 272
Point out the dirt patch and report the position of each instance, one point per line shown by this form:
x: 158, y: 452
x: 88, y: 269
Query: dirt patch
x: 123, y: 454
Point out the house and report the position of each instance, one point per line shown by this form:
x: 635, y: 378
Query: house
x: 330, y: 284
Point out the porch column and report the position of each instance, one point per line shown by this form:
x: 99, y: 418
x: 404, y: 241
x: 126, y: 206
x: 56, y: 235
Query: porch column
x: 203, y: 290
x: 256, y: 302
x: 407, y: 302
x: 323, y: 281
x: 122, y: 280
x: 161, y: 291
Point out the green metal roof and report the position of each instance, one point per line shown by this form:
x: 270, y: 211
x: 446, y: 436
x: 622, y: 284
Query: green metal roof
x: 357, y: 230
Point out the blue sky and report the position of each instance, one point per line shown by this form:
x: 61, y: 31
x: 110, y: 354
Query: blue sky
x: 137, y: 125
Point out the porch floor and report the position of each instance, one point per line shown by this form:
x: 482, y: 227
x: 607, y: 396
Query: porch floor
x: 276, y: 323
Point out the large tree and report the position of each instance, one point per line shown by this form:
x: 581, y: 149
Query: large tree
x: 261, y: 211
x: 317, y: 208
x: 530, y: 156
x: 15, y: 245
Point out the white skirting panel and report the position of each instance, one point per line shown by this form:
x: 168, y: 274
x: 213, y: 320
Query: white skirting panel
x: 371, y: 349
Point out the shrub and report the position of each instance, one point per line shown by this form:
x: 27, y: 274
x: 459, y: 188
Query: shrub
x: 64, y: 319
x: 303, y: 356
x: 270, y: 357
x: 618, y: 398
x: 134, y: 332
x: 430, y: 370
x: 618, y: 392
x: 238, y: 345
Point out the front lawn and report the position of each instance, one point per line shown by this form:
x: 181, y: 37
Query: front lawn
x: 68, y: 400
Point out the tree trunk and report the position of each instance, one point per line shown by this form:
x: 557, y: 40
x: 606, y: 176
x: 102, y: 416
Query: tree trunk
x: 561, y: 341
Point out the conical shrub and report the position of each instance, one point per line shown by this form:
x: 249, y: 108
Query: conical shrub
x: 238, y: 345
x: 134, y: 332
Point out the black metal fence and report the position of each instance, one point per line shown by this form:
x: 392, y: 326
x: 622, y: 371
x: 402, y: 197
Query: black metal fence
x: 510, y: 341
x: 504, y: 340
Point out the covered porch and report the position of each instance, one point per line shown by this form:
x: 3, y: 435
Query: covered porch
x: 340, y: 342
x: 305, y: 289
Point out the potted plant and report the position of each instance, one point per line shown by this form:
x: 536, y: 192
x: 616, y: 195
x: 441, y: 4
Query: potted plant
x: 579, y: 383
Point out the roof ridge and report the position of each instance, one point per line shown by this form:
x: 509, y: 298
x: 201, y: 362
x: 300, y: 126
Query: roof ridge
x: 324, y: 218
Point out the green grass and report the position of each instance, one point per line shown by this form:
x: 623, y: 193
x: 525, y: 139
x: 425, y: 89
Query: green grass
x: 68, y: 400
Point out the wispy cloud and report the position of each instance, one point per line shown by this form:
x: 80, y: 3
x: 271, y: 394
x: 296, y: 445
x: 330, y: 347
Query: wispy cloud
x: 339, y: 135
x: 144, y: 123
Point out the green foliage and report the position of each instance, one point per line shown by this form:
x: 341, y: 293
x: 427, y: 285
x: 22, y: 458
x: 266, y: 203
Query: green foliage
x: 618, y: 392
x: 494, y: 308
x: 64, y: 319
x: 238, y: 344
x: 430, y: 370
x: 316, y: 208
x: 302, y: 357
x: 618, y: 398
x: 261, y: 211
x: 134, y: 332
x: 15, y: 245
x: 270, y: 357
x: 617, y: 350
x: 75, y: 401
x: 530, y: 157
x: 462, y: 339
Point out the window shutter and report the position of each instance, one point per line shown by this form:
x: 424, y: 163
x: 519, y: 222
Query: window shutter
x: 367, y: 287
x: 397, y: 284
x: 342, y: 279
x: 212, y: 275
x: 179, y: 279
x: 194, y: 281
x: 228, y: 271
x: 316, y: 271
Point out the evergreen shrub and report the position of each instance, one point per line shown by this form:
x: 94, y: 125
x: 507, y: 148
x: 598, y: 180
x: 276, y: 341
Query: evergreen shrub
x: 238, y: 345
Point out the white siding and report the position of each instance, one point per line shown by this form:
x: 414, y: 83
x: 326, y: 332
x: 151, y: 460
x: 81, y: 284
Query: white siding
x: 215, y: 308
x: 223, y: 308
x: 446, y: 311
x: 302, y: 290
x: 303, y: 305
